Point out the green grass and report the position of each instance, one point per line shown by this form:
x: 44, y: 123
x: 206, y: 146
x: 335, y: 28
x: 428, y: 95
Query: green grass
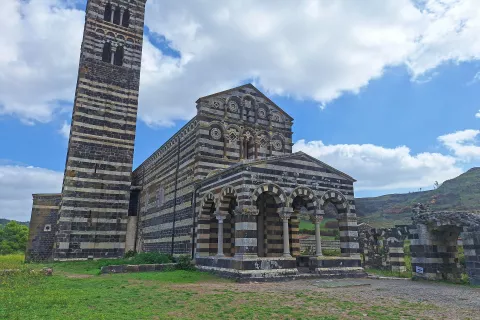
x: 387, y: 273
x: 168, y: 295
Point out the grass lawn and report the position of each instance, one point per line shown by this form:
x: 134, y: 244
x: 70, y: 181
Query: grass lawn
x: 73, y: 292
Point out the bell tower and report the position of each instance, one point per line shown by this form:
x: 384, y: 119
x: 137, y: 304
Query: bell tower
x: 92, y: 221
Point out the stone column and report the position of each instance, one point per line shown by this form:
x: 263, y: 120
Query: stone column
x: 121, y: 16
x: 220, y: 219
x: 246, y: 232
x: 285, y: 215
x: 318, y: 241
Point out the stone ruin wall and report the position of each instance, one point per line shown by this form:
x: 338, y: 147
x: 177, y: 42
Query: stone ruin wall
x: 433, y: 246
x: 43, y: 225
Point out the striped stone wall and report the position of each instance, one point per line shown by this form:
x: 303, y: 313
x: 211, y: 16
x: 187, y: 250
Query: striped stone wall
x: 165, y: 202
x: 96, y: 188
x: 43, y: 225
x: 287, y: 172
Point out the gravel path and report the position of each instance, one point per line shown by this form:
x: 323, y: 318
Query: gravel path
x: 453, y: 301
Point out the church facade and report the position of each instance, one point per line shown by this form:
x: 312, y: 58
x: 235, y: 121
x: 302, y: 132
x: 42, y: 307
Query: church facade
x: 225, y: 189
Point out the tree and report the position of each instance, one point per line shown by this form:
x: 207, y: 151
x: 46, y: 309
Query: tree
x: 13, y: 238
x: 436, y: 185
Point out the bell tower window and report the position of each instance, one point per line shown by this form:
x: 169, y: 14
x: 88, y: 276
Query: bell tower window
x: 126, y: 18
x: 107, y: 52
x: 107, y: 16
x: 116, y: 15
x: 118, y: 60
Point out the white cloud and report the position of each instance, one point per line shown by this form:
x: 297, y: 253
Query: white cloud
x: 40, y: 43
x: 477, y: 115
x: 463, y: 144
x: 379, y: 168
x: 65, y: 130
x: 307, y: 49
x: 18, y: 183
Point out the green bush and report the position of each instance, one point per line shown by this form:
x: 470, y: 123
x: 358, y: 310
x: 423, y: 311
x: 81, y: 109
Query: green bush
x: 150, y: 258
x: 185, y: 263
x: 13, y: 238
x: 130, y: 254
x: 331, y: 252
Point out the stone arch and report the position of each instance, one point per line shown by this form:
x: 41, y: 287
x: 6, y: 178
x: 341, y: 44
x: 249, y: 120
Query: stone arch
x: 233, y: 108
x: 337, y: 198
x: 275, y: 190
x: 206, y: 227
x: 208, y: 201
x: 251, y: 98
x: 307, y: 195
x: 226, y: 195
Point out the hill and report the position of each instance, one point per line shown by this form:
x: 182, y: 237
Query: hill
x: 460, y: 193
x: 5, y: 221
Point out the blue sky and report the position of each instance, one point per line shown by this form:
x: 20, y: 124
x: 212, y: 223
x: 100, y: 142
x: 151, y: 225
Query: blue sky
x: 390, y: 98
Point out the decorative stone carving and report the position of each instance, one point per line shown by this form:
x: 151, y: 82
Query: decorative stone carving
x: 216, y: 133
x: 263, y: 141
x: 232, y: 106
x: 232, y: 135
x: 276, y: 117
x: 262, y: 113
x: 277, y: 145
x: 247, y: 103
x: 216, y: 104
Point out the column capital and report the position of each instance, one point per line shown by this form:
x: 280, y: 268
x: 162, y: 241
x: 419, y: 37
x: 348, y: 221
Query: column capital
x: 316, y: 218
x: 246, y: 210
x: 285, y: 213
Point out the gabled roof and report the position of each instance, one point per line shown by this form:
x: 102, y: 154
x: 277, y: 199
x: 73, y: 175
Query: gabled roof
x: 251, y: 86
x: 301, y: 154
x: 296, y: 155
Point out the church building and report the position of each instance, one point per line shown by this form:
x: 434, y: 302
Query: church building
x: 225, y: 189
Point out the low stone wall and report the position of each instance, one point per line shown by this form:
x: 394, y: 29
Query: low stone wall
x: 137, y: 268
x: 308, y: 245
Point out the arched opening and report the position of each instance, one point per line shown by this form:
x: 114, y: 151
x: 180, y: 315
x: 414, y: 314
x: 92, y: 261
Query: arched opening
x: 118, y: 59
x: 206, y: 225
x: 107, y: 16
x: 107, y: 52
x: 116, y: 15
x: 269, y: 226
x: 126, y: 18
x: 335, y: 206
x: 228, y: 203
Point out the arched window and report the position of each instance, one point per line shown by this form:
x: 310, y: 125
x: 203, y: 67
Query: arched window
x: 108, y: 12
x: 118, y: 60
x: 126, y: 18
x: 107, y: 52
x: 116, y: 15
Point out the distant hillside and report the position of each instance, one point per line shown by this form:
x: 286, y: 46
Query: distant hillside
x: 5, y: 221
x: 460, y: 193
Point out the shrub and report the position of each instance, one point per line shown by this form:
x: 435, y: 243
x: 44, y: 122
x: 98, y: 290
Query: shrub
x: 130, y: 254
x: 150, y: 258
x: 185, y: 263
x: 331, y: 252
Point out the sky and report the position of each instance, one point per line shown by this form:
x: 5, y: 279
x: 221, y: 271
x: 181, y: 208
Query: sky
x: 387, y: 91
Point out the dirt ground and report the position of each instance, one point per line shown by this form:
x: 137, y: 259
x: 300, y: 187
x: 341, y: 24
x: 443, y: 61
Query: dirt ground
x: 453, y: 301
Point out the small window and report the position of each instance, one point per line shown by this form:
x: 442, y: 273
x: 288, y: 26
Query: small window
x: 47, y: 228
x: 107, y: 16
x: 107, y: 52
x: 118, y: 60
x: 126, y: 18
x: 116, y: 15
